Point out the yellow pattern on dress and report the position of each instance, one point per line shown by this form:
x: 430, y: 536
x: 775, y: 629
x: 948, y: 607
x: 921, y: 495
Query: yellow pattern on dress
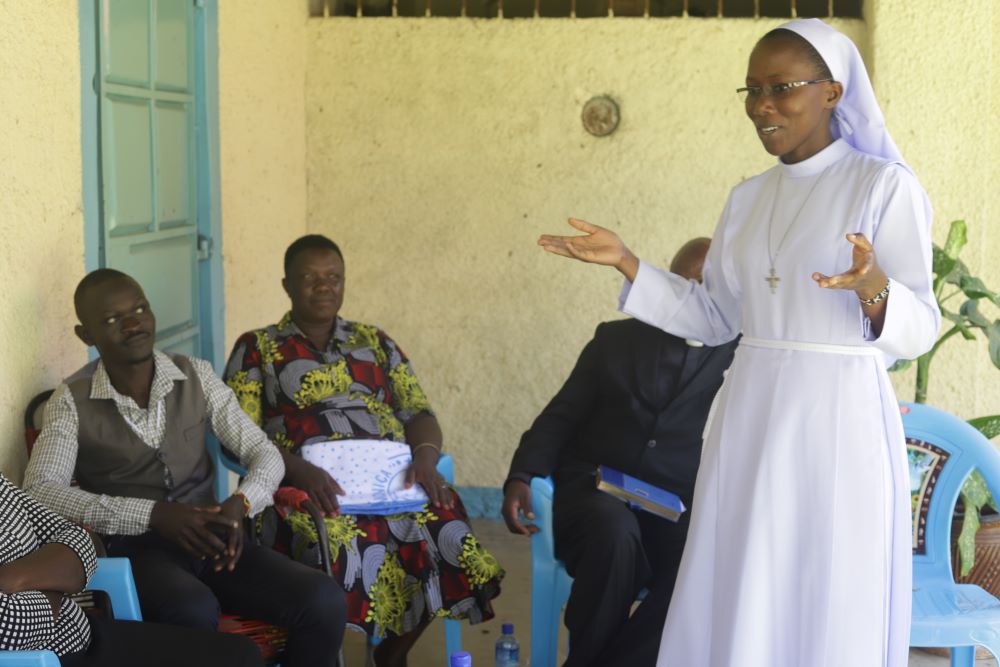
x: 479, y: 564
x: 248, y: 393
x: 340, y: 530
x: 387, y: 421
x: 405, y: 387
x: 323, y: 382
x: 267, y: 347
x: 390, y: 595
x: 366, y: 335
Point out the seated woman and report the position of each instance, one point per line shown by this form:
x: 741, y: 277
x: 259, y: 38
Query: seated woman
x: 42, y: 558
x: 315, y: 377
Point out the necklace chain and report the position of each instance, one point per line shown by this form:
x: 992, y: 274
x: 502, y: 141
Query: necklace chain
x: 773, y: 279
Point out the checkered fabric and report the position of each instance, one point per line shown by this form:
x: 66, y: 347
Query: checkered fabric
x: 26, y: 618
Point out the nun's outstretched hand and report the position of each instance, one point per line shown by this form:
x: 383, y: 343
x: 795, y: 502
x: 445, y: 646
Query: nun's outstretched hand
x: 597, y: 245
x: 865, y: 277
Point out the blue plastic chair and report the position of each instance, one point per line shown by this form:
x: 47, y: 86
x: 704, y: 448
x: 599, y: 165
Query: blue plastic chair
x: 114, y: 577
x: 445, y: 466
x: 942, y: 451
x: 550, y: 583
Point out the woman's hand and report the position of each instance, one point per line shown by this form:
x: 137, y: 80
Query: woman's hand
x: 597, y: 246
x: 865, y: 277
x: 423, y: 471
x: 322, y: 489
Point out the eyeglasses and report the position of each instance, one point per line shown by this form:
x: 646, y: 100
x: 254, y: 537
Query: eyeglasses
x: 775, y: 92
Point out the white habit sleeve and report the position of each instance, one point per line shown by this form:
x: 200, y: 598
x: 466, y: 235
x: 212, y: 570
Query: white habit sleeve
x: 708, y: 311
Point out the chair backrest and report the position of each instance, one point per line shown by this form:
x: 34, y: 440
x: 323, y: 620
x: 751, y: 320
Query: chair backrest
x: 941, y: 450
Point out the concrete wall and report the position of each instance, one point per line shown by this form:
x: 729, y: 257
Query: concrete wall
x: 262, y: 136
x: 438, y: 151
x: 41, y: 204
x: 941, y: 97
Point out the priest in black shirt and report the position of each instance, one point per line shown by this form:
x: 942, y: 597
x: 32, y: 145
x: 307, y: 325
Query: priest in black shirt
x: 637, y: 401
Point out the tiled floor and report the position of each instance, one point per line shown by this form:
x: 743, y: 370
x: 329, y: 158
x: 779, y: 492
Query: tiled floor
x: 514, y: 606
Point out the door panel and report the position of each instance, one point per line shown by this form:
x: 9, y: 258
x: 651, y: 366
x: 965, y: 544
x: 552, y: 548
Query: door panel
x: 128, y: 173
x: 173, y: 300
x: 173, y: 36
x: 125, y: 41
x: 175, y: 164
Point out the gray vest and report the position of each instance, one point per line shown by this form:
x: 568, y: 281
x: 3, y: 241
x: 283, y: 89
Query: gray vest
x: 113, y: 460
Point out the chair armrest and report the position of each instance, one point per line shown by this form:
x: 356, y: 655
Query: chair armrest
x: 114, y: 577
x: 28, y: 659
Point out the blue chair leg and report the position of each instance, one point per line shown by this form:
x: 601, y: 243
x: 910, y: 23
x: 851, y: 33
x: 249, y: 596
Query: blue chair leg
x: 963, y: 656
x: 545, y: 607
x: 452, y: 638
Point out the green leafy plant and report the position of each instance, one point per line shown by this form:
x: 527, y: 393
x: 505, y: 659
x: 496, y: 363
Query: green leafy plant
x: 952, y: 279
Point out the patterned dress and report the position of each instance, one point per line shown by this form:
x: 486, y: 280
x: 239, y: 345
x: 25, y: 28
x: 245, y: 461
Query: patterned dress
x: 397, y: 570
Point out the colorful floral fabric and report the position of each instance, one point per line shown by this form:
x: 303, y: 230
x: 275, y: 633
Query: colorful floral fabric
x: 397, y: 570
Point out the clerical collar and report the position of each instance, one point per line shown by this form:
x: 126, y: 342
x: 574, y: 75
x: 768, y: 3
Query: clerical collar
x: 817, y: 163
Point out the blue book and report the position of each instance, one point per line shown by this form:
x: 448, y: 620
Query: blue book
x: 639, y: 494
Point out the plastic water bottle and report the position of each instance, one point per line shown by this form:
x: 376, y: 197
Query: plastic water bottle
x: 508, y: 651
x: 461, y: 659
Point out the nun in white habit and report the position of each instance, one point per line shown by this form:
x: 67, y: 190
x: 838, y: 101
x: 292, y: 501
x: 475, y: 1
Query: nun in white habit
x: 800, y: 542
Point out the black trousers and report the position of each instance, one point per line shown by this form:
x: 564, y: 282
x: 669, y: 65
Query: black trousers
x: 613, y: 552
x: 128, y: 643
x: 179, y: 589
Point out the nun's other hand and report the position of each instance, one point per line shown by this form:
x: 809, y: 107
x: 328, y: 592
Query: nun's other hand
x: 597, y: 245
x: 865, y: 276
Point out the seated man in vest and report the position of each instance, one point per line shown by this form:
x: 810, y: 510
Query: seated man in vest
x: 637, y: 401
x: 131, y: 426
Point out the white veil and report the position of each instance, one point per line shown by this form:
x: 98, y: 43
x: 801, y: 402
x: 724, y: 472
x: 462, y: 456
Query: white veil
x: 858, y: 120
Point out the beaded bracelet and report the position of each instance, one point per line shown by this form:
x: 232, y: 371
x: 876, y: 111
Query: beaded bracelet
x: 878, y: 297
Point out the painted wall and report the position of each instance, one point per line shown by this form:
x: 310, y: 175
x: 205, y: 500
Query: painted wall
x: 439, y: 150
x: 41, y: 218
x: 941, y: 97
x: 262, y: 153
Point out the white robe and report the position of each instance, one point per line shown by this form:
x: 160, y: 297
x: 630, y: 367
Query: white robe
x: 799, y: 549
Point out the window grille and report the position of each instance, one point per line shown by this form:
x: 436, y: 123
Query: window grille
x: 505, y: 9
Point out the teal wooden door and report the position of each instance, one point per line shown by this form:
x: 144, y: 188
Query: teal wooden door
x: 149, y: 166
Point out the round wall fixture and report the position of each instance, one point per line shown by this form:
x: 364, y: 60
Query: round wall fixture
x: 600, y: 116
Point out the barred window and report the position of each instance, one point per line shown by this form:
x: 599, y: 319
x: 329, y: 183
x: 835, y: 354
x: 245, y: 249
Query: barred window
x: 507, y: 9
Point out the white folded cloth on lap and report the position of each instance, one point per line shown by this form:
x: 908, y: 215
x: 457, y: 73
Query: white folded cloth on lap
x: 371, y: 472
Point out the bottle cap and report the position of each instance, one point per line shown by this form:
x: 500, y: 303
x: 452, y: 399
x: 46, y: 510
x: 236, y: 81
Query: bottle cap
x: 507, y: 628
x: 461, y: 659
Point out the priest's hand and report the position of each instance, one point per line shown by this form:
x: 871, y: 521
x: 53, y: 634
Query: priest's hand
x: 517, y: 501
x: 597, y: 246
